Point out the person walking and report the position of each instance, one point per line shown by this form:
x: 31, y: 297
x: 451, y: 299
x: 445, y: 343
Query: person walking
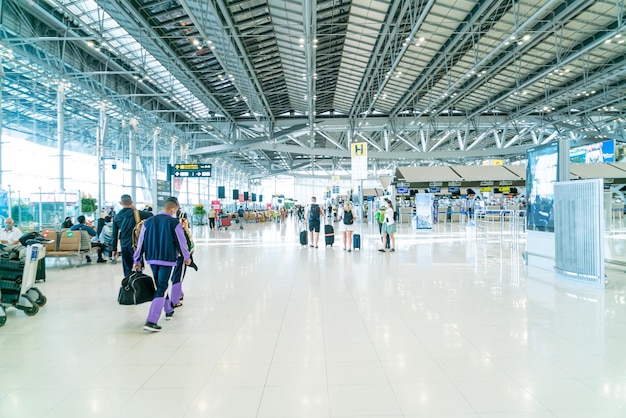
x: 240, y: 214
x: 212, y: 215
x: 314, y: 213
x: 162, y: 241
x: 389, y: 227
x: 181, y: 268
x: 122, y: 230
x: 347, y: 217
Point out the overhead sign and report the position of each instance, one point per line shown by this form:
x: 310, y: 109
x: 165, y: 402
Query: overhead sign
x: 189, y: 170
x: 358, y: 151
x: 163, y: 192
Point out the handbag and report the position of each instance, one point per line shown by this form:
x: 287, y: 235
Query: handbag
x: 136, y: 289
x: 126, y: 295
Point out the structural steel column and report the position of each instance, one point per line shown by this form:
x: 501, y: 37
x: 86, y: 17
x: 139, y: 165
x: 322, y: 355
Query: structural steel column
x: 1, y: 141
x: 61, y: 135
x: 172, y: 162
x: 155, y: 161
x: 100, y: 135
x: 563, y: 162
x: 132, y: 147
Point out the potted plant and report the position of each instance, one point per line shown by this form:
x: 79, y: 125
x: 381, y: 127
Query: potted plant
x: 198, y: 214
x: 88, y: 204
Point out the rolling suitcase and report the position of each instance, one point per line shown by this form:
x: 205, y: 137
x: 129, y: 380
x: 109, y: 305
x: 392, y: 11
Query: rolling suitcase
x: 356, y: 241
x: 303, y: 238
x: 329, y: 235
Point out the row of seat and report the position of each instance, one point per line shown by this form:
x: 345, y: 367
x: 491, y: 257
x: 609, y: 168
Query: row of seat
x: 68, y: 244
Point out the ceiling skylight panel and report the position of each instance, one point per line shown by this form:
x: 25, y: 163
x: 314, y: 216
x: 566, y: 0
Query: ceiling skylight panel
x: 121, y: 41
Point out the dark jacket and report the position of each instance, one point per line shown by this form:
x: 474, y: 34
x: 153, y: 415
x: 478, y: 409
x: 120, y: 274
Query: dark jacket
x: 123, y: 225
x: 83, y: 227
x: 161, y: 239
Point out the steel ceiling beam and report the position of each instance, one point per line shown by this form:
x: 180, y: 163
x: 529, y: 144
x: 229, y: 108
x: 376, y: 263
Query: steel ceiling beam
x: 399, y: 155
x: 128, y: 18
x: 226, y: 40
x: 576, y: 52
x: 309, y: 9
x: 508, y: 49
x: 395, y: 49
x: 477, y: 16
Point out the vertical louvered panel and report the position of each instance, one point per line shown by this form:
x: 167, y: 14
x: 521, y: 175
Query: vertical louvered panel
x: 579, y: 230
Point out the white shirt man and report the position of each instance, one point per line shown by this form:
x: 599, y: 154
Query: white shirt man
x: 10, y: 234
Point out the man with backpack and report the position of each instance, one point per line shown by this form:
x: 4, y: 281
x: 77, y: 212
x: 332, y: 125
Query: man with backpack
x: 314, y: 214
x: 122, y: 229
x: 240, y: 216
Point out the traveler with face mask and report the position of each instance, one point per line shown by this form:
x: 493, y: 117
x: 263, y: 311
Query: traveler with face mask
x: 10, y: 234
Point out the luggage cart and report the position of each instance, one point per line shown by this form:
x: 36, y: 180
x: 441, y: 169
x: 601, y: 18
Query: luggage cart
x: 224, y: 223
x: 16, y: 283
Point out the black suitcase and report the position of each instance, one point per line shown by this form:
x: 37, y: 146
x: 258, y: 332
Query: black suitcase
x: 356, y: 241
x: 388, y: 242
x: 329, y: 235
x: 303, y: 238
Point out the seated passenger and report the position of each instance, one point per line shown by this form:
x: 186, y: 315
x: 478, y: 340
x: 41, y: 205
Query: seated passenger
x: 105, y: 235
x: 82, y: 226
x: 10, y: 234
x: 67, y: 223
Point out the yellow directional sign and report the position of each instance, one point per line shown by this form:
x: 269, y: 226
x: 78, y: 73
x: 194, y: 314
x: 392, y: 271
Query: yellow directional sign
x: 186, y: 166
x: 190, y: 170
x: 359, y: 149
x: 359, y: 160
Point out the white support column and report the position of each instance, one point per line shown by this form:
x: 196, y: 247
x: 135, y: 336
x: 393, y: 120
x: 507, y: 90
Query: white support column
x: 172, y: 162
x: 1, y: 141
x: 132, y: 150
x: 496, y: 137
x: 100, y: 135
x: 423, y: 140
x: 61, y: 135
x: 563, y: 173
x: 460, y: 139
x: 155, y: 166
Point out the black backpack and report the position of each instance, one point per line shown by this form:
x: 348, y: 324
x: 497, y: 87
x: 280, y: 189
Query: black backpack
x: 315, y: 212
x: 34, y: 236
x: 348, y: 219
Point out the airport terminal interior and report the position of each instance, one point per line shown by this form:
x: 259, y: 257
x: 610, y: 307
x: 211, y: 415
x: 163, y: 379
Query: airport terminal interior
x: 504, y: 295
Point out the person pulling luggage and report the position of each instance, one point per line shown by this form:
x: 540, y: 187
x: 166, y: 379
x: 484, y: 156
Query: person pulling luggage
x: 314, y: 213
x: 347, y: 217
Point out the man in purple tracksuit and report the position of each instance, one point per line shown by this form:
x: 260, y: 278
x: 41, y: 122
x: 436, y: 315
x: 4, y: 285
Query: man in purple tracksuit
x: 161, y: 239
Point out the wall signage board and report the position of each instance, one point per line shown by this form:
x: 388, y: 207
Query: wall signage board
x: 163, y: 192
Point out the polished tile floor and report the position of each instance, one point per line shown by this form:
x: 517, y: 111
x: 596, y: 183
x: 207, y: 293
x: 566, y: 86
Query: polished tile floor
x: 450, y: 325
